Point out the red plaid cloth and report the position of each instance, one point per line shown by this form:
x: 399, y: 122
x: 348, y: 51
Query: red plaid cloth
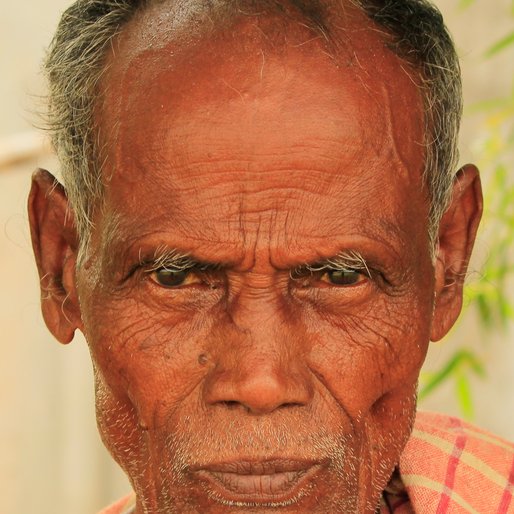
x: 447, y: 467
x: 452, y: 467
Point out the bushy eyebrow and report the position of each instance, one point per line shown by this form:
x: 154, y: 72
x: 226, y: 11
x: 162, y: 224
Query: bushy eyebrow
x: 174, y: 260
x: 346, y: 260
x: 178, y: 260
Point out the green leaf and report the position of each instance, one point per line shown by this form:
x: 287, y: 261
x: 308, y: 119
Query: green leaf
x: 484, y: 310
x: 463, y: 390
x: 462, y: 359
x: 475, y: 364
x: 501, y: 45
x: 506, y: 311
x: 440, y: 376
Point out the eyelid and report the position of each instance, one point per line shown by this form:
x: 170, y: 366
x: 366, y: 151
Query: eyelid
x: 191, y: 269
x: 348, y: 260
x: 150, y: 267
x: 358, y: 269
x: 180, y: 263
x: 176, y: 263
x: 330, y: 266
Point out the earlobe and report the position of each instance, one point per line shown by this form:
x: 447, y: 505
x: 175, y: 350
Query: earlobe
x: 55, y: 242
x: 457, y: 232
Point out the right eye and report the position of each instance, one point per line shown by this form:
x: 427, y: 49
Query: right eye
x: 170, y: 278
x: 343, y: 277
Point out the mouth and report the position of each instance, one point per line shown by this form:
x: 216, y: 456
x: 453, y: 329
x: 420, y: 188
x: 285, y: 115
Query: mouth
x: 270, y: 482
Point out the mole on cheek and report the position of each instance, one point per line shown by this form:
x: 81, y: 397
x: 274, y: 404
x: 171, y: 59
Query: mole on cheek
x: 202, y: 359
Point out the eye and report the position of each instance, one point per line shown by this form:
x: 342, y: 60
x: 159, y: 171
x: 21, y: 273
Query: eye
x: 340, y: 277
x: 306, y: 278
x: 170, y: 278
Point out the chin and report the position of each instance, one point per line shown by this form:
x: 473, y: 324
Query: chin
x: 277, y: 485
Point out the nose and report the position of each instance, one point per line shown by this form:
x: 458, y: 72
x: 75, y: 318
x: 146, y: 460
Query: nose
x: 259, y: 387
x: 259, y: 368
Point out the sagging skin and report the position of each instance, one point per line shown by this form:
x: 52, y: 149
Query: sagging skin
x: 259, y: 293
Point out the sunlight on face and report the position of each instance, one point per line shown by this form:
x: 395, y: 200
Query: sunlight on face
x: 259, y: 320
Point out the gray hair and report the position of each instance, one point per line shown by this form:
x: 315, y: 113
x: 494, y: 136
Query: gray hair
x: 413, y: 29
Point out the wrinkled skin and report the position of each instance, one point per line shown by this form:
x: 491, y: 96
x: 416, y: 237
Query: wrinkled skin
x: 258, y: 158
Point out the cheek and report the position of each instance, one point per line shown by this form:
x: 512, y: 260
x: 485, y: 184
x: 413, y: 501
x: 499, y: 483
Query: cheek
x: 147, y: 361
x: 362, y: 355
x: 118, y: 425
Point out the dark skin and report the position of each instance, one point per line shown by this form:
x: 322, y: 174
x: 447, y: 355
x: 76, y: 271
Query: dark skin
x: 248, y: 382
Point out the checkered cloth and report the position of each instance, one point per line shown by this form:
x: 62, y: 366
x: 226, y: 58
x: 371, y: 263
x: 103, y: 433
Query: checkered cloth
x: 452, y: 467
x: 447, y: 467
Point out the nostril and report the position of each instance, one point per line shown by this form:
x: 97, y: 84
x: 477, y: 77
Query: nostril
x: 231, y: 404
x: 256, y: 389
x: 235, y: 405
x: 289, y: 405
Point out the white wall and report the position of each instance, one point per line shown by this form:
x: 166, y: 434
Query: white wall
x: 52, y: 459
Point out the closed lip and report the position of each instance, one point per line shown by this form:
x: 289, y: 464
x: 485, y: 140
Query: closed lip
x: 259, y: 481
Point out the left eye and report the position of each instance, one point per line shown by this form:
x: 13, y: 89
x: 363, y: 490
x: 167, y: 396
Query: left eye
x: 342, y: 277
x: 173, y: 278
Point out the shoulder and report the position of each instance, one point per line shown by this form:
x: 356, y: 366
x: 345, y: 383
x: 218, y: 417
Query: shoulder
x: 122, y: 506
x: 450, y: 464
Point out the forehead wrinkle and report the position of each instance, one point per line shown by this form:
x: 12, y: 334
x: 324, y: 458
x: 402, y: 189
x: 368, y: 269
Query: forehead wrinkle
x: 411, y: 142
x: 111, y: 231
x: 148, y: 47
x: 125, y: 237
x: 384, y: 232
x: 280, y: 249
x: 211, y: 162
x: 149, y: 66
x: 187, y: 171
x: 214, y: 177
x: 158, y: 141
x: 187, y: 154
x: 246, y: 175
x: 243, y: 235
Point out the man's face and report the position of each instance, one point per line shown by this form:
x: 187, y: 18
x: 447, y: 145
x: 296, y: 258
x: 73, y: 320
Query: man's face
x: 259, y: 293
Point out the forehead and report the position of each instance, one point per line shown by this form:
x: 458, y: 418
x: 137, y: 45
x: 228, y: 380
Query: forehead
x: 247, y: 113
x: 166, y: 69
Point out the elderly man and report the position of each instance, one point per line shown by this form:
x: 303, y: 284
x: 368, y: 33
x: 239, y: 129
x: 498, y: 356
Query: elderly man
x: 260, y: 229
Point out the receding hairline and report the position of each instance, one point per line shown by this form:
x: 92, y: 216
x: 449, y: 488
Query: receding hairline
x: 137, y: 50
x: 76, y: 63
x: 336, y: 31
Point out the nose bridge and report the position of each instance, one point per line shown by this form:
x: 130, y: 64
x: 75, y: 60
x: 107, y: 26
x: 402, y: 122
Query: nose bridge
x: 259, y: 358
x: 260, y: 316
x: 257, y: 307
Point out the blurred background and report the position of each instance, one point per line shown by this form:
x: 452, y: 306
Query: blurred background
x: 52, y: 459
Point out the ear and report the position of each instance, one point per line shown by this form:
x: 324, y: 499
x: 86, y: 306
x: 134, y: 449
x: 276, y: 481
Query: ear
x: 55, y: 243
x: 457, y: 232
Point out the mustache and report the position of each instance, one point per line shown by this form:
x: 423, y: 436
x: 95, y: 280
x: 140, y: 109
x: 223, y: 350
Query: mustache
x: 194, y: 446
x: 253, y: 443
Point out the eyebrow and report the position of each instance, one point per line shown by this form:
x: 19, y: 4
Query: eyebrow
x: 179, y: 260
x: 173, y: 256
x: 350, y: 260
x: 174, y: 259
